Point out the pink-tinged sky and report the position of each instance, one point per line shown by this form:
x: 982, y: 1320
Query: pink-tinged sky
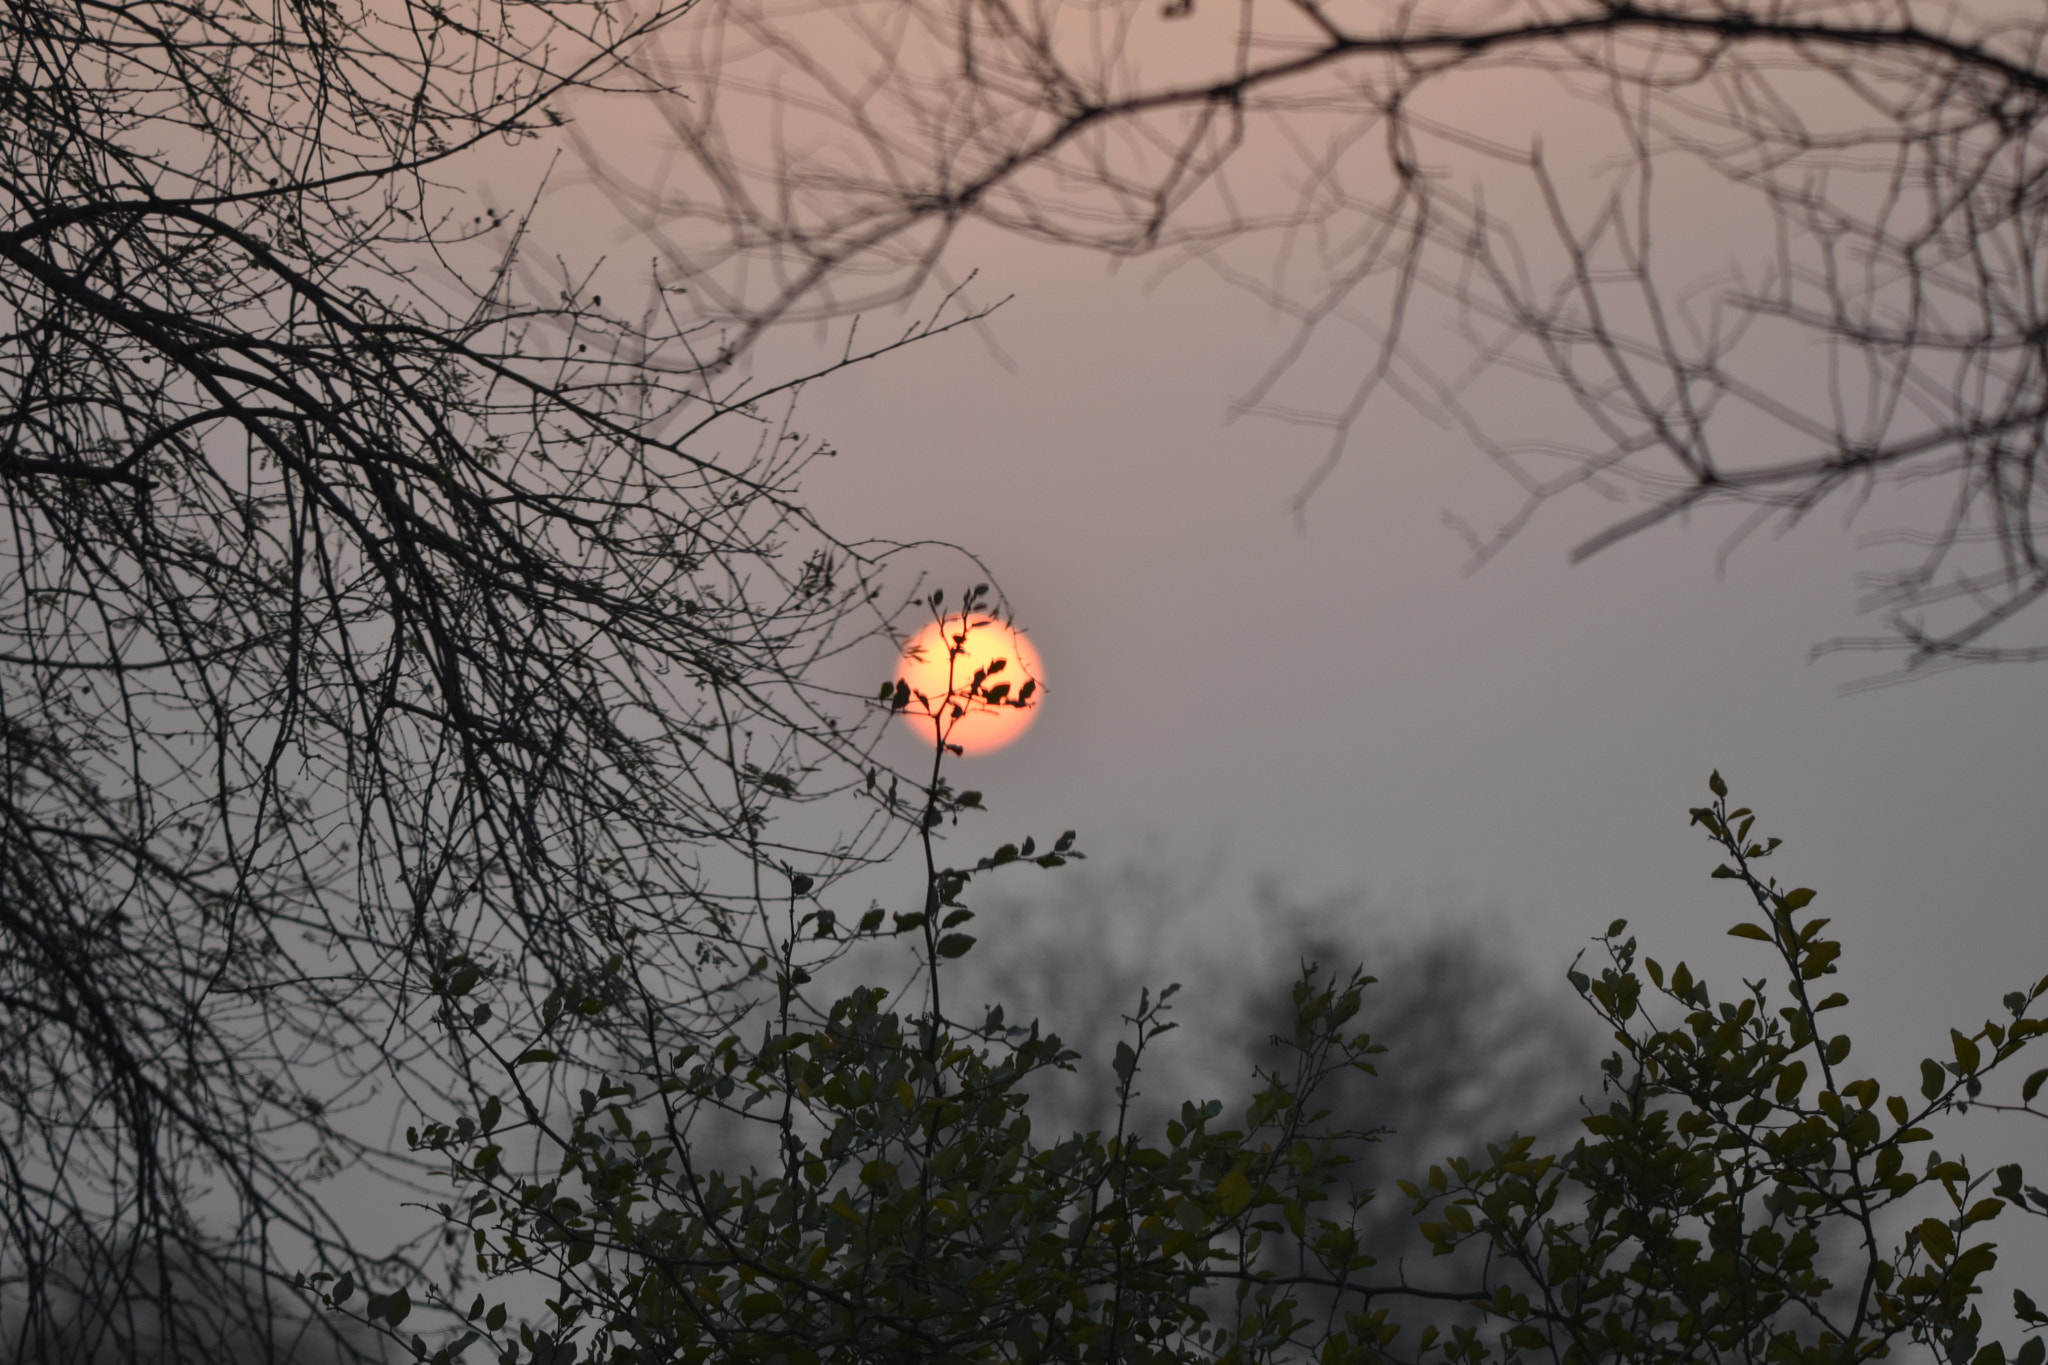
x: 1342, y: 703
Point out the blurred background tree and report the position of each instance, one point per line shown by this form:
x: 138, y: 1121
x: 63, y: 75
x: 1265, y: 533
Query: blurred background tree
x: 1677, y: 255
x: 1478, y: 1042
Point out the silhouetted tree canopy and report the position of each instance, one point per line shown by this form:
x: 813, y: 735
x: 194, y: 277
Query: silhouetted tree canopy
x: 380, y: 610
x: 1771, y: 255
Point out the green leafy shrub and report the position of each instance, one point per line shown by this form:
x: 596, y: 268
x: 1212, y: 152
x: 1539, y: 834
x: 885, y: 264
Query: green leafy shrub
x: 1738, y: 1194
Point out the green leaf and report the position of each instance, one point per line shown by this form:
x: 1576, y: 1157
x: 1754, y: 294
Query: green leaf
x: 1983, y: 1211
x: 1757, y: 932
x: 1933, y: 1080
x: 396, y: 1305
x: 953, y: 945
x: 1234, y: 1192
x: 1935, y: 1236
x: 1716, y: 785
x: 533, y: 1054
x: 343, y: 1289
x: 2033, y: 1086
x: 1967, y: 1055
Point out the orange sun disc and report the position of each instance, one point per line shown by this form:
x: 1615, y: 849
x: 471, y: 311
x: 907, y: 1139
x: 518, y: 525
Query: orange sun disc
x: 941, y: 663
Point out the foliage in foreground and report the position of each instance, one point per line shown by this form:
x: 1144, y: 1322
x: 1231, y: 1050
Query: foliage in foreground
x: 1739, y: 1194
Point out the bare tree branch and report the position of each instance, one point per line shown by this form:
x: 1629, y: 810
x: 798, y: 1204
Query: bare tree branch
x: 388, y: 626
x: 1775, y: 255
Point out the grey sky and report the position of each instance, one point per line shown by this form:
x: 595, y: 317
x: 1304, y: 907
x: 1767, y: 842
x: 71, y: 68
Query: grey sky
x: 1344, y: 704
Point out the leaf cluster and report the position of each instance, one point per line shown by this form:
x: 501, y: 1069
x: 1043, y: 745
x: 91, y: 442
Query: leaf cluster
x: 1741, y: 1194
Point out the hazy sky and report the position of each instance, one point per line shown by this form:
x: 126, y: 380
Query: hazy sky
x: 1344, y: 705
x: 1341, y: 704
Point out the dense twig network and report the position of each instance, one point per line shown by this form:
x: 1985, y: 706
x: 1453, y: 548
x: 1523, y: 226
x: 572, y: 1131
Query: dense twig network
x: 1776, y: 255
x: 377, y: 619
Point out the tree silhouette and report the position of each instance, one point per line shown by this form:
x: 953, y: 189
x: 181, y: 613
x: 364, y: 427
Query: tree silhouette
x: 383, y: 623
x: 1774, y: 256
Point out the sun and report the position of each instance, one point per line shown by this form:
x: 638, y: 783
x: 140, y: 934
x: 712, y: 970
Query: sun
x: 941, y: 663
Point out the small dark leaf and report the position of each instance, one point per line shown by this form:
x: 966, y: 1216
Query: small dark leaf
x: 1967, y: 1055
